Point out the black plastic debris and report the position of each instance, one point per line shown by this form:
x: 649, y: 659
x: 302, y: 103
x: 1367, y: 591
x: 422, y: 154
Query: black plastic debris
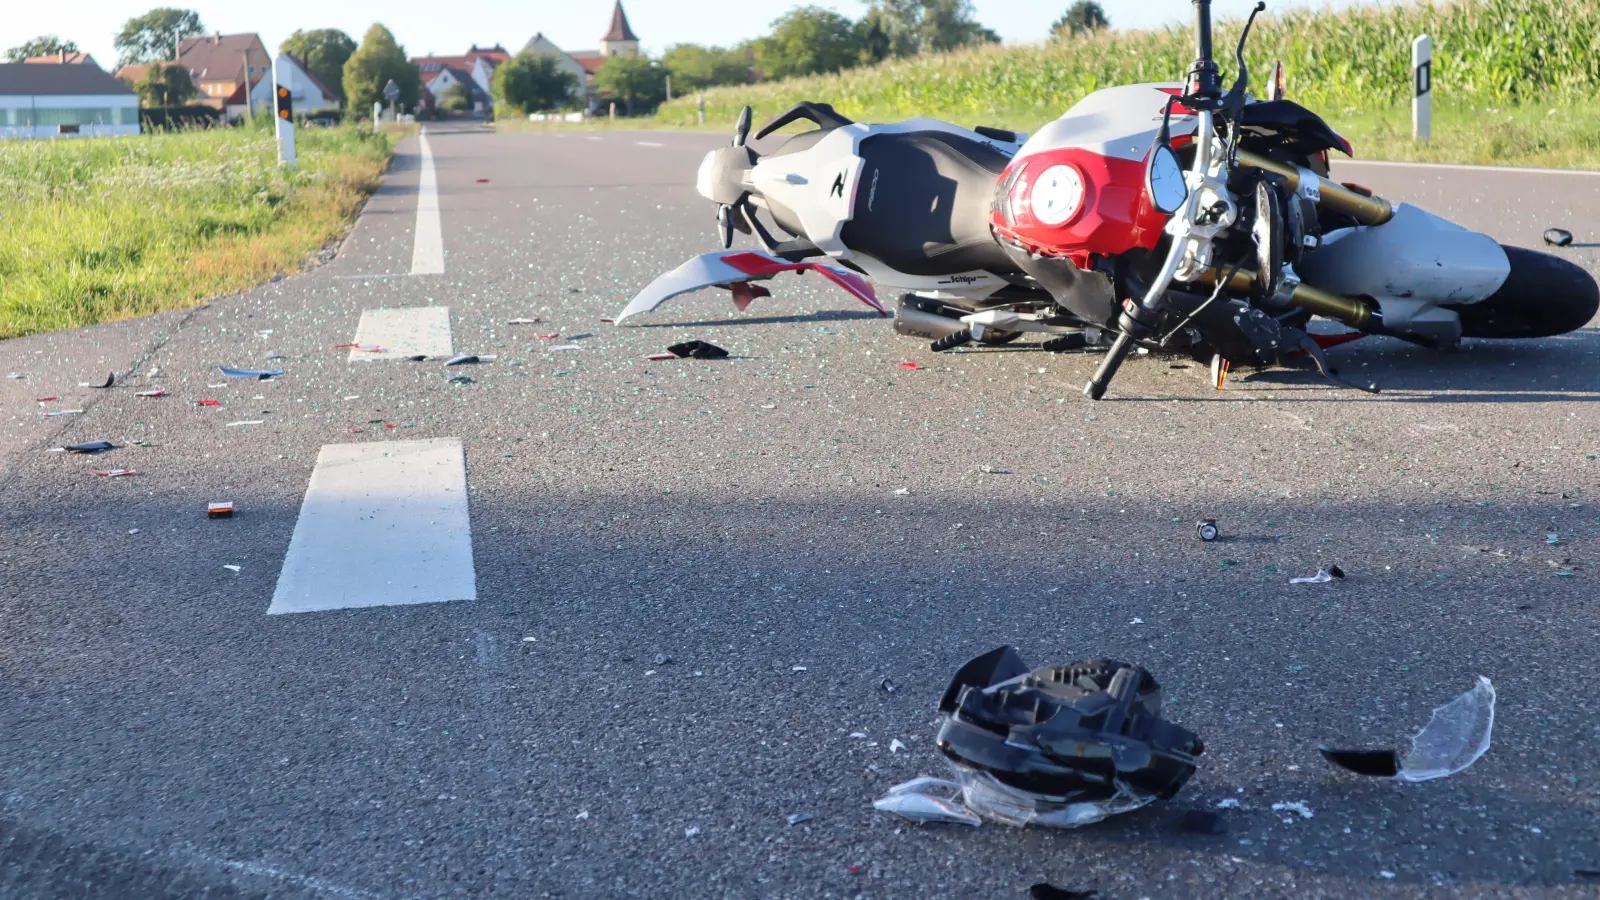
x: 697, y: 350
x: 419, y: 357
x: 1045, y: 891
x: 1059, y: 746
x: 1457, y: 734
x: 462, y: 379
x: 111, y: 381
x: 1558, y: 237
x: 92, y: 447
x: 465, y: 359
x: 1376, y: 763
x: 1202, y: 821
x: 1323, y: 576
x: 257, y: 374
x: 1206, y: 530
x: 1586, y: 873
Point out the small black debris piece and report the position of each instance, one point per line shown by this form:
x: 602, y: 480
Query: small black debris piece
x: 111, y: 380
x: 1586, y: 873
x: 92, y: 447
x: 1206, y: 530
x: 462, y: 360
x: 417, y: 358
x: 1377, y: 763
x: 1558, y: 237
x: 1202, y: 821
x: 697, y: 350
x: 461, y: 379
x: 1046, y: 891
x: 1335, y: 571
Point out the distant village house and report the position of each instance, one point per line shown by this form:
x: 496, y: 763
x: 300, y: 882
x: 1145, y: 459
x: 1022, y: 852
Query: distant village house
x: 43, y: 101
x: 619, y: 40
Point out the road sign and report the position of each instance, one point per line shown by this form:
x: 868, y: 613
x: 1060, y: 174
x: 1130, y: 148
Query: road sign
x: 391, y: 91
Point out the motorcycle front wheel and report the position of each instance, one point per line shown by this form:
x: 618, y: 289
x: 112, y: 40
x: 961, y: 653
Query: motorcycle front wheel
x: 1543, y: 296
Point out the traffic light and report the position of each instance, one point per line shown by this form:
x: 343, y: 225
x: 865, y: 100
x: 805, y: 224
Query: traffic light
x: 285, y: 103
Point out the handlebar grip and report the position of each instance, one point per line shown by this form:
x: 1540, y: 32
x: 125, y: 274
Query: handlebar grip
x: 1096, y: 388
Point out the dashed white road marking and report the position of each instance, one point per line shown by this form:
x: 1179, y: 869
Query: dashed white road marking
x: 403, y: 332
x: 427, y: 248
x: 649, y: 144
x: 382, y: 524
x: 590, y: 137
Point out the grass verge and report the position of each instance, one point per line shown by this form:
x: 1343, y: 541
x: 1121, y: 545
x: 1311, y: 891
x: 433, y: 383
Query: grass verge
x: 112, y: 228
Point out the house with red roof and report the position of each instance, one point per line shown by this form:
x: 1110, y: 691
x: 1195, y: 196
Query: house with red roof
x: 618, y: 40
x: 475, y: 69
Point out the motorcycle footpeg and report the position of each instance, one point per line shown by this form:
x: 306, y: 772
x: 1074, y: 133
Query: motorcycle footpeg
x: 1328, y: 372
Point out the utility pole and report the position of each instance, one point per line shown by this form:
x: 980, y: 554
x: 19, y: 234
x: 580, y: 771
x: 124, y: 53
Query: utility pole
x: 669, y: 88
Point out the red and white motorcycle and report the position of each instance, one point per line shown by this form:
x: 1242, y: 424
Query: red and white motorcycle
x: 1176, y: 217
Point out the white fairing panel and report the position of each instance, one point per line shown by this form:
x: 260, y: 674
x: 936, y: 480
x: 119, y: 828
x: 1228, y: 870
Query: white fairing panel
x: 1414, y: 256
x: 1120, y: 122
x: 819, y: 183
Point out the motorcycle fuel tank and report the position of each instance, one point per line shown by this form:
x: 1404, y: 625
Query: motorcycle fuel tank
x: 1076, y: 188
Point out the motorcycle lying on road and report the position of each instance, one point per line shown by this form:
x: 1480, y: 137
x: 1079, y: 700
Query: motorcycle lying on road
x: 1174, y: 217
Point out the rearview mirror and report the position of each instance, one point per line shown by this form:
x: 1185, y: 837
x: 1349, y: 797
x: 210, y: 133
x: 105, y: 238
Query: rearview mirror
x: 1163, y: 181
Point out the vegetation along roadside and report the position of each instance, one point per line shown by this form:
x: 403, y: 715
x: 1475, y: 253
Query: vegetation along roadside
x: 113, y: 228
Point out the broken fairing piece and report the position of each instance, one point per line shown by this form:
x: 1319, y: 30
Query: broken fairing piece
x: 735, y: 270
x: 465, y: 359
x: 258, y: 374
x: 1060, y: 746
x: 697, y: 350
x: 116, y: 473
x: 111, y: 380
x: 1558, y: 237
x: 219, y: 510
x: 92, y: 447
x: 532, y: 321
x: 151, y: 394
x: 1323, y: 576
x: 1455, y: 737
x: 565, y: 347
x: 927, y: 800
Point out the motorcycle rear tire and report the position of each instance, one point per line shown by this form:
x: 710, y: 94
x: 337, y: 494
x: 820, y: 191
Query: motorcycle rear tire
x: 1543, y: 296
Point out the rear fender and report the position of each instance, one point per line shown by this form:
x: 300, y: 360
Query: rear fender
x: 735, y: 270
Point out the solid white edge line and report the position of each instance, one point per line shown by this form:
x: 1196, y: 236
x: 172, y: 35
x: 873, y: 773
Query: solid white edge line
x: 1459, y: 167
x: 427, y: 249
x: 649, y: 144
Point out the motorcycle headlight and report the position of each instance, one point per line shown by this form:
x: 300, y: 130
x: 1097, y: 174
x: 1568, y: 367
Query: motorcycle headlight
x: 1057, y: 195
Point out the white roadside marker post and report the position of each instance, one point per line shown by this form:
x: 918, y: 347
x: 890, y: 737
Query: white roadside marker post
x: 1422, y: 88
x: 283, y: 110
x: 702, y: 109
x: 377, y: 117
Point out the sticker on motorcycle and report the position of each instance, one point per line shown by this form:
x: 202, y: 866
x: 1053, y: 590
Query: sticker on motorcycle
x: 735, y: 270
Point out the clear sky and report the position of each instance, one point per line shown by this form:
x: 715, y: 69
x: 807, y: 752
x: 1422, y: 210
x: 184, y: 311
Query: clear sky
x: 451, y: 27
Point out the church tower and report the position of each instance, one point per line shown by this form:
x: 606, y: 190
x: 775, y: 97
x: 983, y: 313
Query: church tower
x: 619, y: 40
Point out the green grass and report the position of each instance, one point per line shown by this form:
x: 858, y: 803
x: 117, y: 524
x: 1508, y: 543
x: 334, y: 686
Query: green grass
x: 112, y: 228
x: 1499, y: 67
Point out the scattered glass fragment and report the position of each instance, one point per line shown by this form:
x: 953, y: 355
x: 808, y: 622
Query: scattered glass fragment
x: 1456, y: 736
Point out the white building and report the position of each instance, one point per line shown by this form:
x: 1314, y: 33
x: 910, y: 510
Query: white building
x: 308, y: 92
x: 60, y: 101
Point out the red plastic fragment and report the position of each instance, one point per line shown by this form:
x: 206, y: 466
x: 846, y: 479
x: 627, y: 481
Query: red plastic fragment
x: 609, y: 321
x: 547, y: 337
x: 47, y: 399
x: 913, y: 366
x: 661, y: 356
x: 157, y: 393
x: 208, y: 403
x: 744, y: 292
x: 390, y: 425
x: 483, y: 181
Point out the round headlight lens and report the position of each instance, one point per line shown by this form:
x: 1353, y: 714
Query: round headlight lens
x: 1057, y: 195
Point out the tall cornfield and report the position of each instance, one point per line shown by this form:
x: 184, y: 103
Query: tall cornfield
x: 1486, y: 52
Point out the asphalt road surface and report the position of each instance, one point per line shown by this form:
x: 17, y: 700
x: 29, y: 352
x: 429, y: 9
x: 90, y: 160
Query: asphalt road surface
x: 687, y: 587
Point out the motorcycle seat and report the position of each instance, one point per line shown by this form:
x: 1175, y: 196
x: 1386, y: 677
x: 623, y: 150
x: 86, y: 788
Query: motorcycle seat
x: 922, y: 204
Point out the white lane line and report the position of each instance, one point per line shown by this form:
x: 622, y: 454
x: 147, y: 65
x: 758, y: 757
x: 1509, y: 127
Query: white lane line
x: 403, y: 332
x: 649, y: 144
x: 1457, y: 167
x: 383, y: 524
x: 427, y: 248
x: 590, y: 137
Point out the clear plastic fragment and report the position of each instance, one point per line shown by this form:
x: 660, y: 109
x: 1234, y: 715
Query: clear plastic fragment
x: 1454, y: 738
x: 977, y: 796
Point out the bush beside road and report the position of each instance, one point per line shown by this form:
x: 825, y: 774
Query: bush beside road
x: 107, y: 229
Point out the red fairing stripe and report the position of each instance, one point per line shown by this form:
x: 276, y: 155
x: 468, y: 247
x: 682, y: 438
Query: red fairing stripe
x: 1115, y: 217
x: 759, y: 266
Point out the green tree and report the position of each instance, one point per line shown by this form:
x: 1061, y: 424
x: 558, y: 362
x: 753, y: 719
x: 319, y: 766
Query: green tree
x: 166, y: 84
x: 694, y: 67
x: 638, y: 81
x: 154, y: 36
x: 374, y: 64
x: 324, y: 51
x: 457, y: 98
x: 924, y: 26
x: 532, y: 82
x: 874, y: 40
x: 1083, y: 17
x: 807, y: 40
x: 43, y: 45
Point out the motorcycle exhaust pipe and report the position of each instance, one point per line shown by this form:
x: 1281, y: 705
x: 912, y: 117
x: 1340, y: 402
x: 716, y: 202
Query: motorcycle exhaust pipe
x: 1368, y: 210
x: 913, y: 321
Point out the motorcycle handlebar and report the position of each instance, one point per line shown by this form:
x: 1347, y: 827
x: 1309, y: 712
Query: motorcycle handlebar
x: 1096, y: 388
